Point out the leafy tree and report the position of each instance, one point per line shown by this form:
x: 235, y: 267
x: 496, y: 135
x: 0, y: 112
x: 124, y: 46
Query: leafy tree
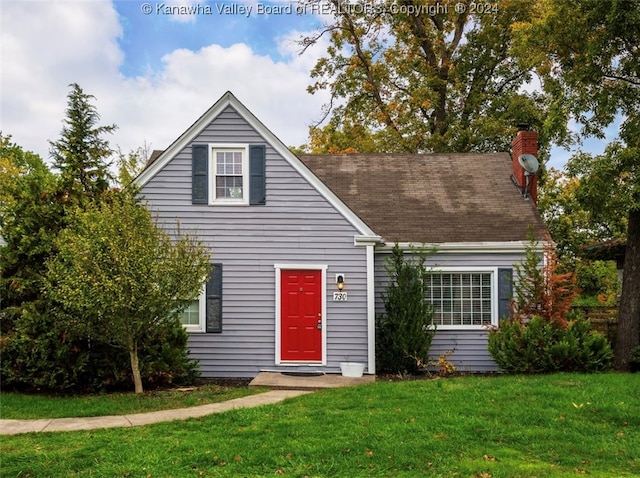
x: 131, y: 164
x: 425, y: 77
x: 347, y: 139
x: 81, y: 153
x: 571, y: 225
x: 120, y: 276
x: 590, y: 66
x: 30, y: 217
x: 43, y: 346
x: 598, y: 282
x: 405, y: 331
x: 611, y: 186
x: 36, y: 204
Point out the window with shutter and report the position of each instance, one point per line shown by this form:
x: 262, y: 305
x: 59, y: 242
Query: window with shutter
x: 468, y: 299
x: 205, y: 313
x: 229, y: 174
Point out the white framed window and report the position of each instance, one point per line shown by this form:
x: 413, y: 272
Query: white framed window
x: 193, y: 317
x: 463, y: 299
x: 230, y: 178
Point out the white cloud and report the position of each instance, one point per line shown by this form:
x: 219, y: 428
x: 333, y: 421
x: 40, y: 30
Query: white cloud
x: 44, y: 48
x: 184, y: 6
x: 73, y: 41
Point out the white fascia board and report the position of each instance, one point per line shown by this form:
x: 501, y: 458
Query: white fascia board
x: 228, y: 99
x: 467, y: 247
x: 184, y: 139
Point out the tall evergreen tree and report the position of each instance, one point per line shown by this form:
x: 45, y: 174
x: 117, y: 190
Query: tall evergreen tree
x: 81, y: 153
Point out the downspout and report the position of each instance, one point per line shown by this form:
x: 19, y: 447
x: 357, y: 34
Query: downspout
x: 370, y: 243
x: 371, y: 309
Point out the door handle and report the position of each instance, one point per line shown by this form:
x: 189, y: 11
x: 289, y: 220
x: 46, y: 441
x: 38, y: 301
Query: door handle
x: 319, y: 325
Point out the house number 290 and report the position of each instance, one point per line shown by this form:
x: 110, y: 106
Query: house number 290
x: 339, y: 296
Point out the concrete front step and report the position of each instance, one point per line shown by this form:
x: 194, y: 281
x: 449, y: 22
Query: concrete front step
x: 285, y: 381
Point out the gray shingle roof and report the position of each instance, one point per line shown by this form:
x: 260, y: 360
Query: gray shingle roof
x: 431, y: 198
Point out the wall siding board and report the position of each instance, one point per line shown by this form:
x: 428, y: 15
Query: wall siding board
x: 297, y: 225
x: 469, y: 346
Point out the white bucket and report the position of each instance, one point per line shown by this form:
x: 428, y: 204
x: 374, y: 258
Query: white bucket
x: 351, y: 369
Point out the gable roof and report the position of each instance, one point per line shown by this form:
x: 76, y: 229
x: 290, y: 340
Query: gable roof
x: 431, y: 198
x: 160, y: 159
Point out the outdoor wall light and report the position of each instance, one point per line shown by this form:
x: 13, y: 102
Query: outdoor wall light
x: 340, y: 281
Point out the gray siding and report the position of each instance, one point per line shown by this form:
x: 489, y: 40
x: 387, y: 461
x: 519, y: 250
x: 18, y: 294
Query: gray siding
x: 469, y: 346
x: 297, y: 225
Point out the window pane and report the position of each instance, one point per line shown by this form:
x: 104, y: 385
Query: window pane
x: 191, y: 315
x: 460, y: 298
x: 229, y: 187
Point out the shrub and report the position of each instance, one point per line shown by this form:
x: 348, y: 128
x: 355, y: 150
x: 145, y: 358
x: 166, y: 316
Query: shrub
x: 543, y: 346
x: 404, y: 332
x: 542, y: 335
x: 45, y: 353
x: 634, y: 360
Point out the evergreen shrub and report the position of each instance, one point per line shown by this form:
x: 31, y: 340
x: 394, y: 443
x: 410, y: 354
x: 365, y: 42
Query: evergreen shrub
x: 542, y: 346
x: 405, y: 331
x: 43, y: 356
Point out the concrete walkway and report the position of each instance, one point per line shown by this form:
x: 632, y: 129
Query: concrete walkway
x: 14, y: 427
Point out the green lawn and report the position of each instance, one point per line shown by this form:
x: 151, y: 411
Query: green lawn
x: 504, y: 426
x: 15, y: 405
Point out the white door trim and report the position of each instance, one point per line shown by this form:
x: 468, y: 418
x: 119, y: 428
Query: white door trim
x: 323, y: 294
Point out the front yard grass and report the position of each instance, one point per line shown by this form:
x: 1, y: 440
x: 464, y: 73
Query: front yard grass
x: 480, y: 427
x: 21, y: 406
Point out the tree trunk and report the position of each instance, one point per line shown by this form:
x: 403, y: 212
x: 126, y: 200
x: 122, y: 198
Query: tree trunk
x: 135, y: 369
x: 629, y: 312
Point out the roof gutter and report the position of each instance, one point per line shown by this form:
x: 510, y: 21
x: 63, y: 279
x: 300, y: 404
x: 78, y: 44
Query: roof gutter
x: 467, y: 247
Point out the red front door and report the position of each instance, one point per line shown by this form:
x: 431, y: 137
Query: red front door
x: 301, y: 315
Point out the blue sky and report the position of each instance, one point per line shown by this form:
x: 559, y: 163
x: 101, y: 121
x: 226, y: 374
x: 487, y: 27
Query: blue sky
x: 147, y: 38
x: 153, y: 72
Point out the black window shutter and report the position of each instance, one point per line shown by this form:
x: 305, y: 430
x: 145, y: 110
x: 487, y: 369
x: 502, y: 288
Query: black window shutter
x: 257, y: 183
x: 200, y: 174
x: 214, y: 300
x: 505, y: 292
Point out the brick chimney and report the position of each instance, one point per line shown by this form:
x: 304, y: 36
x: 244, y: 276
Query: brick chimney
x: 525, y: 142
